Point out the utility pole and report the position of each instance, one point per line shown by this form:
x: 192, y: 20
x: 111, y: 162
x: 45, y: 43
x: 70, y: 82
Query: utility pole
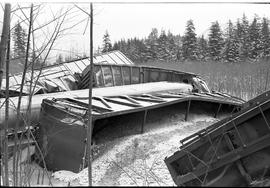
x: 89, y: 128
x: 4, y: 44
x: 4, y: 39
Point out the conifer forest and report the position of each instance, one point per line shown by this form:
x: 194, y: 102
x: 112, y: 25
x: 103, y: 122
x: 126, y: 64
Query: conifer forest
x: 240, y: 40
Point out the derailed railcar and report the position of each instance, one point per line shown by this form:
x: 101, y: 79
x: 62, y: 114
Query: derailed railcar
x: 59, y: 77
x: 63, y: 122
x: 231, y: 152
x: 71, y: 79
x: 106, y: 76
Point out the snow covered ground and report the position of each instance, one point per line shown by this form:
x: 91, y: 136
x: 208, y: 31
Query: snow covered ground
x: 135, y: 160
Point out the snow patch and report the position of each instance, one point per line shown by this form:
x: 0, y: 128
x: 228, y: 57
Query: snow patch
x: 148, y: 167
x: 64, y: 175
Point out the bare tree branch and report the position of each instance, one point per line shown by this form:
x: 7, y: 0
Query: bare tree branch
x: 86, y: 25
x: 54, y: 19
x: 23, y: 13
x: 73, y: 25
x: 2, y: 7
x: 82, y: 10
x: 15, y: 163
x: 24, y: 8
x: 57, y: 31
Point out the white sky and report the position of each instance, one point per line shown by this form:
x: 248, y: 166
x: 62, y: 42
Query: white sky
x: 128, y: 20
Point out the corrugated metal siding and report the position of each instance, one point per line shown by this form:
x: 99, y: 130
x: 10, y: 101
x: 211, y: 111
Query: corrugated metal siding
x: 114, y: 57
x: 55, y: 73
x: 123, y: 57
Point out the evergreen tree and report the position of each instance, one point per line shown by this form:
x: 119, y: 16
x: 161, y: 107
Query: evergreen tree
x: 255, y: 47
x: 122, y: 46
x: 202, y: 49
x: 142, y: 50
x: 19, y: 39
x: 132, y: 48
x: 151, y: 44
x: 107, y: 46
x: 231, y: 49
x: 153, y: 36
x: 239, y: 34
x: 265, y: 38
x: 59, y: 59
x: 178, y: 44
x: 162, y: 51
x: 239, y: 29
x: 243, y: 38
x: 189, y: 46
x: 215, y: 43
x: 116, y: 46
x: 97, y: 51
x: 136, y: 50
x: 171, y: 47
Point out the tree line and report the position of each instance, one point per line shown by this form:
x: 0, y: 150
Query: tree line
x: 18, y: 52
x: 19, y: 39
x: 242, y: 41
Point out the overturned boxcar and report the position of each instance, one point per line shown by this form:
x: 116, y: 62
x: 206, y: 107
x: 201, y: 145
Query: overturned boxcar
x: 63, y: 121
x: 231, y: 152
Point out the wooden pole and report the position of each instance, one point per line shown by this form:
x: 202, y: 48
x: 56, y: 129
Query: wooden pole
x: 30, y: 91
x: 4, y: 45
x: 4, y: 39
x: 7, y: 115
x: 89, y: 128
